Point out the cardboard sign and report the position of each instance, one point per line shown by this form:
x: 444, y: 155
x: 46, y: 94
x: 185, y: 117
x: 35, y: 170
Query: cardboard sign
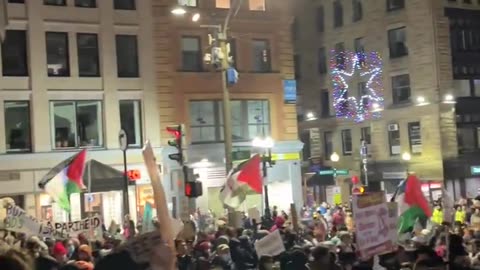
x: 371, y: 216
x: 74, y: 228
x: 270, y: 245
x: 392, y: 221
x: 19, y: 221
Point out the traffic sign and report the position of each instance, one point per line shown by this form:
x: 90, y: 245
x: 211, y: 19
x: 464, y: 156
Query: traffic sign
x: 332, y: 172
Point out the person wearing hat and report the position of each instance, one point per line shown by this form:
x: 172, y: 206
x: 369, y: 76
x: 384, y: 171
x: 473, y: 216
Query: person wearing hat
x: 59, y: 252
x: 460, y: 214
x: 222, y: 259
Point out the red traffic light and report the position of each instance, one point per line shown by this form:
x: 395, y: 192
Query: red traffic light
x: 175, y: 131
x: 355, y: 180
x: 188, y: 189
x: 193, y: 189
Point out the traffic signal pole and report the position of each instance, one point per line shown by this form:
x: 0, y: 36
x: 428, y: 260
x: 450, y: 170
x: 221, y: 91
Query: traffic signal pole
x: 227, y: 109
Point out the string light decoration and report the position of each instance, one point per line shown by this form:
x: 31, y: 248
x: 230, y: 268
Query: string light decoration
x: 368, y: 103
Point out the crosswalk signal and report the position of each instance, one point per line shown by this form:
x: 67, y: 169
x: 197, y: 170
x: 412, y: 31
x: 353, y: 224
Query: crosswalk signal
x: 193, y: 189
x: 176, y: 142
x: 358, y: 190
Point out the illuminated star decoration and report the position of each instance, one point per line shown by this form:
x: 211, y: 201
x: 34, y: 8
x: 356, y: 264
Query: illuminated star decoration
x: 368, y: 103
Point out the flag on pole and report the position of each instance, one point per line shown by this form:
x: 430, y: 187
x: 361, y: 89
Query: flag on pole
x: 244, y: 178
x: 65, y: 179
x: 412, y: 204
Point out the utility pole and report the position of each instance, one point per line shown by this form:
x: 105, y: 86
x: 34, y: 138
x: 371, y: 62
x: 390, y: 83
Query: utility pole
x: 122, y: 139
x: 227, y: 110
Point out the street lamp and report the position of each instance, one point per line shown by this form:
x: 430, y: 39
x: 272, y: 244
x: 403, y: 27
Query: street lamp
x: 266, y: 144
x: 334, y: 157
x: 221, y: 37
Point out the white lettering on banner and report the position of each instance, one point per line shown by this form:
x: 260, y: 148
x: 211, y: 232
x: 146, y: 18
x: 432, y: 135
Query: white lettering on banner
x: 371, y: 216
x: 270, y: 245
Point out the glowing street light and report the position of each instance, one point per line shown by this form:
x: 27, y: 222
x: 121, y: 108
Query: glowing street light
x: 449, y: 99
x: 196, y: 17
x: 406, y: 156
x: 178, y: 11
x: 263, y: 142
x: 421, y: 101
x: 334, y: 157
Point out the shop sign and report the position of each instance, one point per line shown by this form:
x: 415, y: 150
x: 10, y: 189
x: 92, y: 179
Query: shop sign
x: 394, y: 175
x: 332, y: 172
x: 415, y: 136
x: 290, y: 91
x: 475, y: 170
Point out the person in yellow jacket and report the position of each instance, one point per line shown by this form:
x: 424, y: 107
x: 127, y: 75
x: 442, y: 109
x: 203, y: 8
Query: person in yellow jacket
x: 460, y: 214
x: 437, y: 215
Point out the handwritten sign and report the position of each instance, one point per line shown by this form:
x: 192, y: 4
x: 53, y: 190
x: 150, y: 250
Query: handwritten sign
x: 270, y: 245
x: 73, y: 228
x: 371, y: 216
x: 19, y: 221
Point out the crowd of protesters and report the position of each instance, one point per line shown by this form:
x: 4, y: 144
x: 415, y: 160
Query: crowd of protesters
x: 323, y: 239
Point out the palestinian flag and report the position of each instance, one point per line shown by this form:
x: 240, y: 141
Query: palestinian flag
x: 65, y: 179
x: 245, y: 178
x: 412, y: 205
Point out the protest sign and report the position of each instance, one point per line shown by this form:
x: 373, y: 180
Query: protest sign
x: 270, y: 245
x: 19, y: 221
x: 392, y: 221
x: 74, y: 228
x: 371, y: 216
x: 253, y: 213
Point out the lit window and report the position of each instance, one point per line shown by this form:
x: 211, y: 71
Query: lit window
x: 76, y: 124
x: 222, y: 3
x: 257, y: 5
x: 58, y: 62
x: 188, y: 3
x: 130, y: 119
x: 17, y: 126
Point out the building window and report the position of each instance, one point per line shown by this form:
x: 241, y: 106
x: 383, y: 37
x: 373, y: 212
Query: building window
x: 58, y: 62
x: 415, y: 137
x: 261, y: 56
x: 340, y: 57
x: 86, y: 3
x: 325, y: 103
x: 124, y: 4
x: 401, y: 89
x: 394, y: 139
x: 16, y: 1
x: 359, y: 45
x: 357, y: 10
x: 297, y: 62
x: 467, y: 1
x: 366, y: 135
x: 347, y: 142
x: 127, y: 56
x: 294, y: 29
x: 322, y: 61
x: 87, y: 49
x: 131, y: 121
x: 222, y: 3
x: 188, y: 3
x: 337, y: 14
x: 362, y: 90
x: 76, y: 124
x: 468, y: 139
x: 256, y: 5
x: 395, y: 5
x: 397, y: 42
x: 328, y: 144
x: 191, y: 54
x: 17, y: 126
x: 250, y: 118
x: 320, y: 19
x: 55, y: 2
x: 14, y: 53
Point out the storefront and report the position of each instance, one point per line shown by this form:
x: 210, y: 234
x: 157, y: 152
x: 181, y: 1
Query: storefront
x: 463, y: 176
x: 284, y: 178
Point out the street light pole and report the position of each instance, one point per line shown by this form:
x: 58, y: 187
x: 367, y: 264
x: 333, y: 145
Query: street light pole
x: 122, y: 138
x: 227, y: 110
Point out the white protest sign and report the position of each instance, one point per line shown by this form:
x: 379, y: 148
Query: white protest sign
x: 270, y: 245
x: 74, y: 228
x: 393, y: 221
x: 371, y: 216
x: 19, y: 221
x: 253, y: 213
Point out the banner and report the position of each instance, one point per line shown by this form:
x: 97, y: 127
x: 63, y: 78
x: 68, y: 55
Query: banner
x: 270, y: 245
x: 88, y: 226
x: 147, y: 222
x: 371, y: 216
x: 392, y: 221
x: 18, y: 220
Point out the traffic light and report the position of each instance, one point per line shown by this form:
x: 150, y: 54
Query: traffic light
x: 176, y: 142
x: 358, y: 190
x: 193, y: 189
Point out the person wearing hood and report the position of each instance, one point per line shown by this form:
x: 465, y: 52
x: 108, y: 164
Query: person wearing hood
x: 59, y: 252
x: 437, y: 215
x: 243, y: 254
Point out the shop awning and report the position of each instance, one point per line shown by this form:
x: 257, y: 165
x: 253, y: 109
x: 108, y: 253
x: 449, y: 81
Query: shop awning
x: 99, y: 177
